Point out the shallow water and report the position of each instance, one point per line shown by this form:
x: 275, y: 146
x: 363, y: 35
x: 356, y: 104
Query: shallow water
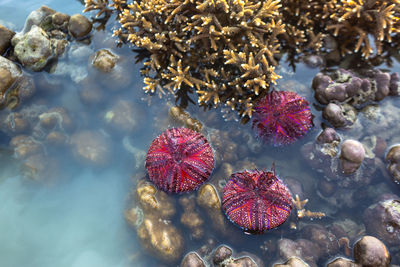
x: 76, y: 216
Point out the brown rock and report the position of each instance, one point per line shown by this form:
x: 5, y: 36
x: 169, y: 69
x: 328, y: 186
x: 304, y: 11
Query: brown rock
x: 104, y: 60
x: 161, y: 239
x: 342, y: 262
x: 5, y: 39
x: 192, y: 259
x: 222, y: 253
x: 371, y: 252
x: 293, y: 262
x: 91, y: 147
x: 79, y: 26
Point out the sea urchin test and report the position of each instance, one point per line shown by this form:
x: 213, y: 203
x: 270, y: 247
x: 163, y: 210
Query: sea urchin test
x: 281, y: 117
x: 179, y: 160
x: 256, y: 200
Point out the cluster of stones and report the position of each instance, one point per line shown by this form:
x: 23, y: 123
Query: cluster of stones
x: 151, y: 211
x: 348, y: 97
x: 345, y: 93
x: 340, y: 160
x: 221, y: 256
x: 37, y: 130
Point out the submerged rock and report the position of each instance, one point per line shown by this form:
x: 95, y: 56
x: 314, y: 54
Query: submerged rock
x: 383, y: 220
x: 393, y: 159
x: 192, y: 259
x: 91, y: 147
x: 371, y: 252
x: 342, y: 262
x: 292, y: 262
x: 14, y: 85
x: 161, y: 239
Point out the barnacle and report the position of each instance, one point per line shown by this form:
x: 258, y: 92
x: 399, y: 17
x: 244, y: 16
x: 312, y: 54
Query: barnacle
x: 221, y: 49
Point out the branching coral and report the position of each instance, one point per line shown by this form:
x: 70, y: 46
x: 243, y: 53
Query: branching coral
x: 222, y: 49
x: 355, y: 21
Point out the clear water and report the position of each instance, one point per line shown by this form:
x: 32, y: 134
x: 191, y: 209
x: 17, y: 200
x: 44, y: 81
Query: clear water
x: 77, y: 217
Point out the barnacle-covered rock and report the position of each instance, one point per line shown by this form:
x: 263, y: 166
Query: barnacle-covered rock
x: 222, y: 50
x: 34, y: 49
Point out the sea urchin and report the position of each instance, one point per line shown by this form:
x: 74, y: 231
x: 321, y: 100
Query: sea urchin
x: 281, y: 117
x: 179, y: 160
x: 256, y: 200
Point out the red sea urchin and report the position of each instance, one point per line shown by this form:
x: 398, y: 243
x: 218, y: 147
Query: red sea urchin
x: 179, y: 160
x: 281, y: 117
x: 256, y: 200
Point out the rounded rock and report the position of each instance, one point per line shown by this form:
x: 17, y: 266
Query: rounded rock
x: 79, y: 26
x: 5, y: 39
x: 104, y: 60
x: 91, y: 147
x: 192, y: 259
x: 371, y: 252
x: 342, y: 262
x: 222, y: 253
x: 382, y: 219
x: 351, y: 155
x: 161, y: 239
x: 393, y: 157
x: 333, y: 113
x: 34, y: 49
x: 292, y: 262
x: 328, y: 135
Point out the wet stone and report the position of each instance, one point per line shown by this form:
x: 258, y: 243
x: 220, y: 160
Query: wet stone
x: 293, y: 262
x: 161, y: 239
x: 14, y: 85
x: 104, y: 60
x: 222, y: 253
x: 60, y: 21
x: 351, y: 155
x: 122, y: 117
x: 5, y: 39
x: 91, y: 147
x: 371, y: 252
x: 25, y: 146
x: 393, y: 159
x: 192, y: 260
x: 383, y: 220
x: 154, y: 201
x: 342, y: 262
x: 79, y: 26
x: 241, y: 262
x: 34, y: 49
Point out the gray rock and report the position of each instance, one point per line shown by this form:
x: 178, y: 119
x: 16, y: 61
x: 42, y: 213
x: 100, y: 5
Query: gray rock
x: 33, y: 49
x: 371, y: 252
